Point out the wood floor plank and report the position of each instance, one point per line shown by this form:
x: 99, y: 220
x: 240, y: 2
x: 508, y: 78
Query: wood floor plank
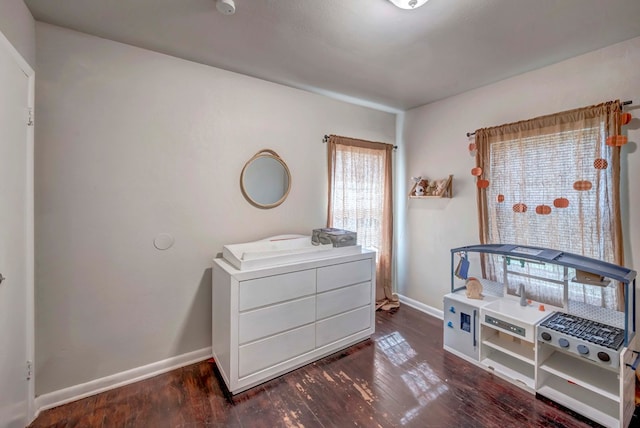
x: 400, y: 378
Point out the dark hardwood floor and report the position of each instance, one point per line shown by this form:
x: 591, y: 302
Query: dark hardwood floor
x: 400, y: 378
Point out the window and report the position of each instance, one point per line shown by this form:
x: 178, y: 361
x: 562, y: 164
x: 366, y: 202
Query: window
x: 360, y: 200
x: 554, y: 182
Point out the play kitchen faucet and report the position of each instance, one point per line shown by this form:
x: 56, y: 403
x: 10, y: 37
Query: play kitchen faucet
x: 522, y: 294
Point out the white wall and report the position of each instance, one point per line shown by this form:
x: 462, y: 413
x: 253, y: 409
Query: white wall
x: 436, y: 145
x: 130, y: 144
x: 17, y: 24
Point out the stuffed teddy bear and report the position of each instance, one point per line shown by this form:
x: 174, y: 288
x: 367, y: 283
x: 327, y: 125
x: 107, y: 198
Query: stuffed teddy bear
x: 440, y: 187
x: 474, y: 289
x: 421, y: 187
x: 431, y: 188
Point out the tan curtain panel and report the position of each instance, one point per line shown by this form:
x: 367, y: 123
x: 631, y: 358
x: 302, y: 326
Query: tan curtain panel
x: 361, y: 199
x: 554, y: 182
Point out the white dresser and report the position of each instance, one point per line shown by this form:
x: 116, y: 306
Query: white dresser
x: 269, y: 321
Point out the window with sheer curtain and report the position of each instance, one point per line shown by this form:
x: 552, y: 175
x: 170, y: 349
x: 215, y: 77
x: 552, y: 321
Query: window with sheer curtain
x: 360, y: 200
x: 554, y: 182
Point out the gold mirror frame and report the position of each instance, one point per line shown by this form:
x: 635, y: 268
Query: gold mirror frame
x: 262, y: 154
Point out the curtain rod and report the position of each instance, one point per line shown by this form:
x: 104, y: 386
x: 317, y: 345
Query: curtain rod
x: 326, y: 139
x: 624, y: 103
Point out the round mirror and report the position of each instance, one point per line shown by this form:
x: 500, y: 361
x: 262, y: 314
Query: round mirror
x: 265, y: 180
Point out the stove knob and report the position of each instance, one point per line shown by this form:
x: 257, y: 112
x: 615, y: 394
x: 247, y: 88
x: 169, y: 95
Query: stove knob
x: 563, y: 342
x: 603, y: 356
x: 545, y: 335
x: 583, y: 350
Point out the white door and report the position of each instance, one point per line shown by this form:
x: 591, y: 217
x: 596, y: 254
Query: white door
x: 15, y: 233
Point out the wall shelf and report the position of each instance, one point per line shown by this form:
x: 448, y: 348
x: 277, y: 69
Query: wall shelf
x: 446, y: 193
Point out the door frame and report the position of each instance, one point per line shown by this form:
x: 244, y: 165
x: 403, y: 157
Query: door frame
x: 29, y: 208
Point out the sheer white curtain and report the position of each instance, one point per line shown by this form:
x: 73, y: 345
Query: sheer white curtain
x: 361, y: 200
x: 554, y: 182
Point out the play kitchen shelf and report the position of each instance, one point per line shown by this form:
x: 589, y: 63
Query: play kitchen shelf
x: 579, y: 355
x: 508, y: 339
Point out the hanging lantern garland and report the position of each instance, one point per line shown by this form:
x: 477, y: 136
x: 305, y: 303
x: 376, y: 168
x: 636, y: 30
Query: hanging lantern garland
x: 481, y: 182
x: 477, y: 171
x: 620, y: 140
x: 561, y: 202
x: 543, y: 209
x: 520, y: 208
x: 473, y: 150
x: 600, y: 163
x: 579, y: 185
x: 617, y: 140
x: 582, y: 185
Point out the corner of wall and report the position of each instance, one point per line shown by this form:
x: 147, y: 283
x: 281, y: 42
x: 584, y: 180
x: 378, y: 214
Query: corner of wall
x: 107, y: 383
x: 18, y: 25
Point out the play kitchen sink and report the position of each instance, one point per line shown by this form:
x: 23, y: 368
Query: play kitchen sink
x: 506, y: 314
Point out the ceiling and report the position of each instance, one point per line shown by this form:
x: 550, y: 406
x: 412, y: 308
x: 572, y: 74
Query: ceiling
x: 365, y: 50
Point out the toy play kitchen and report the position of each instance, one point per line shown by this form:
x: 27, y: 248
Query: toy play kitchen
x: 569, y: 348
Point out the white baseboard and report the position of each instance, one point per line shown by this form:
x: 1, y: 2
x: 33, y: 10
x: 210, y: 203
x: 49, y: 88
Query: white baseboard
x: 430, y: 310
x: 77, y: 392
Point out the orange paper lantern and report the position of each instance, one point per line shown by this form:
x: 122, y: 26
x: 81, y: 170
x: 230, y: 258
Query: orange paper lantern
x: 477, y: 171
x: 500, y: 198
x: 600, y: 163
x: 543, y: 209
x: 520, y: 208
x: 625, y: 118
x: 482, y: 184
x: 617, y: 140
x: 561, y: 203
x: 582, y: 185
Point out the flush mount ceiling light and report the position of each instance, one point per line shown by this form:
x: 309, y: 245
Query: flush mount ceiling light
x: 408, y: 4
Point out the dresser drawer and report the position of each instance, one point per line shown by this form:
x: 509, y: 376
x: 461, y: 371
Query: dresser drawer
x: 331, y: 329
x: 336, y: 276
x: 343, y: 299
x: 275, y: 349
x: 274, y: 319
x: 273, y: 289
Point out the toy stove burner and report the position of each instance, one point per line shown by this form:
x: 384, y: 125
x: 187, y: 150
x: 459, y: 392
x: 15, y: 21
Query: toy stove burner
x: 582, y: 328
x: 590, y: 339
